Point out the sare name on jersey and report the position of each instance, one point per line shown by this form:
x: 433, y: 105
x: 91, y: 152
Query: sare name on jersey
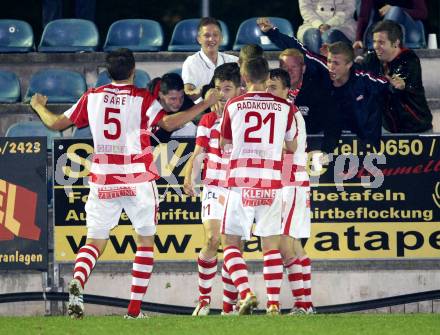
x: 115, y: 100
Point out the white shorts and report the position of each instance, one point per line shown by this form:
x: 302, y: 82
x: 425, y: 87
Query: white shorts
x: 296, y: 211
x: 243, y: 205
x: 105, y: 203
x: 213, y: 202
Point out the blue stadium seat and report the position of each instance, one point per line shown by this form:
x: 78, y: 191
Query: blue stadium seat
x: 82, y: 132
x: 9, y: 87
x: 177, y: 70
x: 249, y: 33
x: 61, y: 86
x: 141, y: 78
x: 32, y: 128
x: 134, y: 34
x: 184, y: 36
x: 69, y: 35
x: 16, y: 36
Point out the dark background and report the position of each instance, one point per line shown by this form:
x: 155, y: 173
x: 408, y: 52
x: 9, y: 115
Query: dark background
x: 169, y: 12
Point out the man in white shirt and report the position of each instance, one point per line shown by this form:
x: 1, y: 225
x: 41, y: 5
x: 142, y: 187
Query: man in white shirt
x: 198, y: 69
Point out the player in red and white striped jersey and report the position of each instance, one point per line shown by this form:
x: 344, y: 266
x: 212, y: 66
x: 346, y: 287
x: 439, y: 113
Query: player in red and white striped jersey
x: 296, y: 203
x: 256, y: 125
x: 122, y: 174
x: 227, y: 81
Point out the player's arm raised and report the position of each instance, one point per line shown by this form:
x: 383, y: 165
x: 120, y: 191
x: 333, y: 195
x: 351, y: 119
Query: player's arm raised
x: 51, y: 120
x: 174, y: 121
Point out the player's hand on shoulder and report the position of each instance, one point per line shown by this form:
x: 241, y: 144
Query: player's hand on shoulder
x: 38, y: 100
x: 264, y: 24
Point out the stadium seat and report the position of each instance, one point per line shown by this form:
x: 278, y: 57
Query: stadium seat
x: 141, y: 78
x: 177, y: 70
x: 184, y: 36
x: 9, y: 87
x: 61, y: 86
x: 16, y: 36
x: 32, y: 128
x: 134, y: 34
x: 249, y: 33
x: 82, y: 132
x: 69, y: 35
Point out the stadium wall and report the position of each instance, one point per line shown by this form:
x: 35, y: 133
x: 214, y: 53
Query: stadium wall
x: 175, y: 283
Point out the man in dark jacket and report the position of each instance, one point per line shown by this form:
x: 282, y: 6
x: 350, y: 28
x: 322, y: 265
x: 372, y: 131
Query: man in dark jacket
x: 310, y: 93
x: 356, y: 95
x: 405, y: 110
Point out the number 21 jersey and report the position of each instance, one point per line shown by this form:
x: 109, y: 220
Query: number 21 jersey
x: 257, y: 123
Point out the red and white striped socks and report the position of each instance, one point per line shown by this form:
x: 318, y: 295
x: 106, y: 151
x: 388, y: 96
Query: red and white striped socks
x: 299, y: 275
x: 273, y: 276
x: 306, y: 265
x: 234, y: 262
x: 142, y: 268
x: 85, y: 262
x: 207, y: 269
x: 230, y: 293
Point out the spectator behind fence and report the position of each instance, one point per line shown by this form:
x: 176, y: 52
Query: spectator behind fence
x: 326, y: 21
x: 405, y: 110
x: 401, y: 11
x: 53, y: 10
x: 198, y: 69
x: 358, y: 95
x: 169, y: 91
x: 308, y: 90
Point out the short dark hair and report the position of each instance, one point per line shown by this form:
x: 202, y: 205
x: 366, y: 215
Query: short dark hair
x: 205, y: 21
x: 282, y: 75
x: 120, y: 63
x: 170, y: 82
x: 342, y: 48
x: 256, y: 69
x: 250, y: 51
x: 393, y: 30
x: 228, y: 71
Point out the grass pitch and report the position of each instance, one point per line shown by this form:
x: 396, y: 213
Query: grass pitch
x: 374, y: 324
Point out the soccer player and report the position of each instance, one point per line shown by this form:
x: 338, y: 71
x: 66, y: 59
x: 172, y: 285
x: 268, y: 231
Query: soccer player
x: 198, y: 69
x: 227, y: 82
x: 122, y: 174
x: 255, y: 125
x: 296, y: 203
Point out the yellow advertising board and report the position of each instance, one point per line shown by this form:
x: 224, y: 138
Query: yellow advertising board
x: 352, y: 218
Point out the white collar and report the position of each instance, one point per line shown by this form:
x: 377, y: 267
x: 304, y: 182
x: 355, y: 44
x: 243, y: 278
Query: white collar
x: 209, y: 62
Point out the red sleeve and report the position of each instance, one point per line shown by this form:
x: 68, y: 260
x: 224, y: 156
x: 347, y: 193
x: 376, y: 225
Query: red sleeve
x: 78, y: 113
x: 226, y: 131
x: 153, y: 110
